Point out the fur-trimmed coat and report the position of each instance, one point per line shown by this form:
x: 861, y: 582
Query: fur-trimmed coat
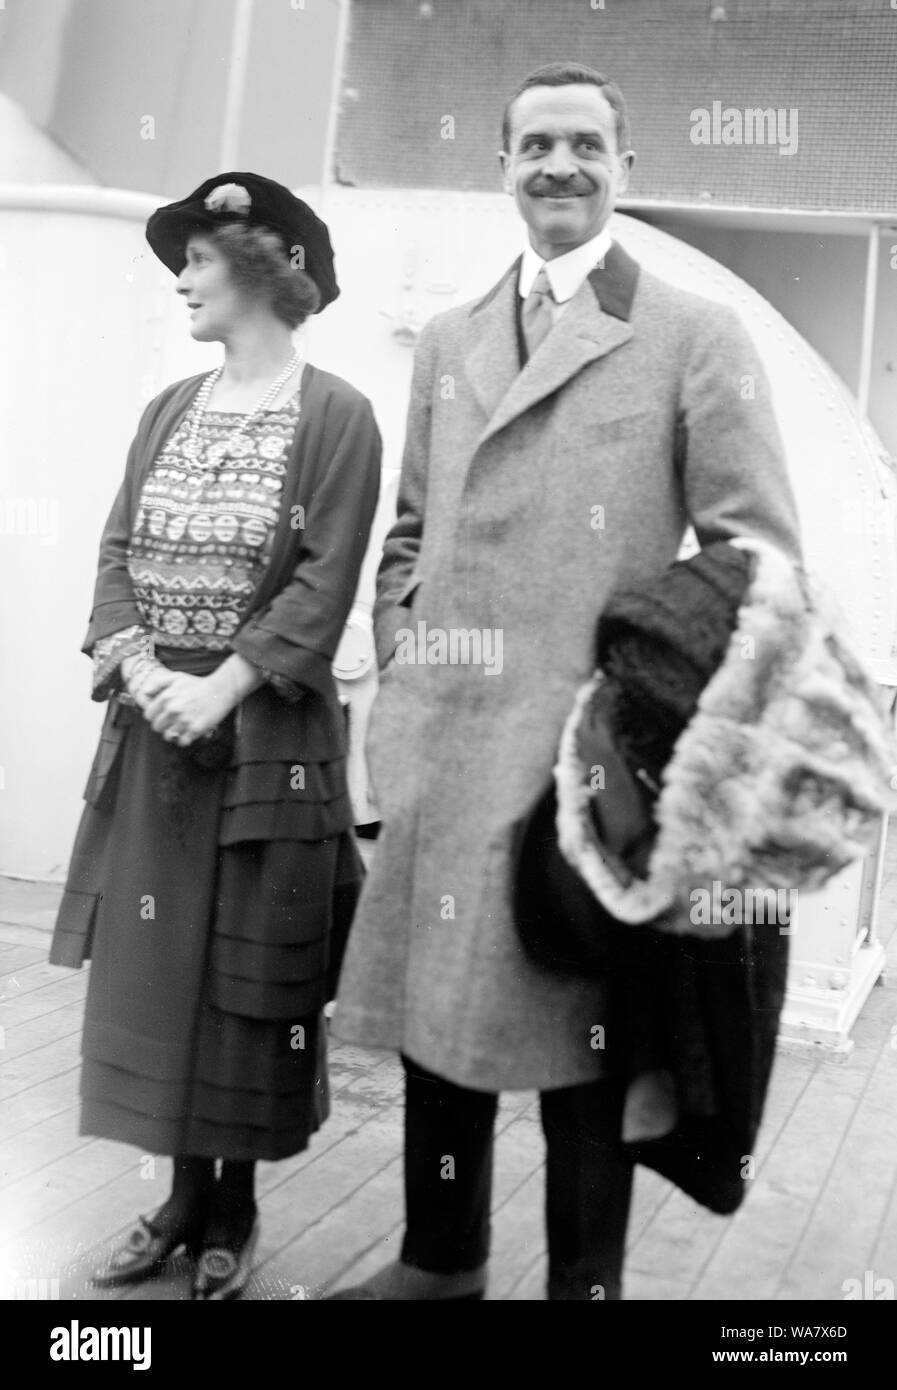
x: 682, y: 889
x: 526, y: 496
x: 778, y: 782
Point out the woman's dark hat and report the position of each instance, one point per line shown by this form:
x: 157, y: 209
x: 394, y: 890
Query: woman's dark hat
x: 235, y: 197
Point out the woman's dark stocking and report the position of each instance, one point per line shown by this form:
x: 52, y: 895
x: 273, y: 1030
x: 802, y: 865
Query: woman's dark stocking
x: 233, y: 1208
x: 192, y: 1185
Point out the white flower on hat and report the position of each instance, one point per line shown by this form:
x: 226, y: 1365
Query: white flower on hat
x: 229, y: 197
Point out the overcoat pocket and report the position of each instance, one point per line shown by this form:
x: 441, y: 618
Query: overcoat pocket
x: 626, y: 425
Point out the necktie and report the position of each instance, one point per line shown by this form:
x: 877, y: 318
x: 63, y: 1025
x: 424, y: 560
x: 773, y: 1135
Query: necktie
x: 537, y: 318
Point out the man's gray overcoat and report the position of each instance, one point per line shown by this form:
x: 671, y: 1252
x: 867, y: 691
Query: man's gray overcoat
x: 526, y: 495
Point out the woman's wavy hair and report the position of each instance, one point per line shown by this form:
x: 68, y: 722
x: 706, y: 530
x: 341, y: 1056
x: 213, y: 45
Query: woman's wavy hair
x: 260, y: 265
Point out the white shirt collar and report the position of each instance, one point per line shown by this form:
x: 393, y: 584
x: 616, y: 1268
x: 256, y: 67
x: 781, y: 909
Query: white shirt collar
x: 565, y: 273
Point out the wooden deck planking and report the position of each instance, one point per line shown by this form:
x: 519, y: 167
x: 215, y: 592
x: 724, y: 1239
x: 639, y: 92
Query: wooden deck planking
x: 25, y: 934
x: 679, y: 1243
x: 844, y: 1228
x: 51, y: 1188
x: 44, y: 1029
x: 25, y: 1071
x: 38, y: 1102
x: 317, y: 1254
x: 883, y: 1259
x: 17, y: 1007
x: 823, y: 1207
x: 681, y: 1238
x: 44, y: 1142
x: 16, y: 958
x: 750, y: 1259
x: 37, y: 976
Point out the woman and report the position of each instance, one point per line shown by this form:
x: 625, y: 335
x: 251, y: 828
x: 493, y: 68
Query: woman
x: 215, y: 859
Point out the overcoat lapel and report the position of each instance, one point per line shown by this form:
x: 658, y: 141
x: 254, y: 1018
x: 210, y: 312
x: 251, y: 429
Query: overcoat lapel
x: 490, y: 343
x: 595, y: 322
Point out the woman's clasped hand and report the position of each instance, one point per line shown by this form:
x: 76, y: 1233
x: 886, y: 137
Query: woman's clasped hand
x: 179, y: 706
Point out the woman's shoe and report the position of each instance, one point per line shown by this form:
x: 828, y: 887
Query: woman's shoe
x: 223, y: 1273
x: 144, y: 1252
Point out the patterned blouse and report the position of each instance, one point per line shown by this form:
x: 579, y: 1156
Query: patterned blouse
x: 202, y: 537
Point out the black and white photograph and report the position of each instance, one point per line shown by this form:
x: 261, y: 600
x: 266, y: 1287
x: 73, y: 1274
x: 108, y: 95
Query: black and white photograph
x: 448, y: 730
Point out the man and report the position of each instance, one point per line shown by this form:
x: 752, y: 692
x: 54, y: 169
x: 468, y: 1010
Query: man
x: 562, y: 433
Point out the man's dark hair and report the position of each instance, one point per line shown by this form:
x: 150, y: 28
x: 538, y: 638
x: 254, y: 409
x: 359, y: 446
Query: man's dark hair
x: 564, y: 75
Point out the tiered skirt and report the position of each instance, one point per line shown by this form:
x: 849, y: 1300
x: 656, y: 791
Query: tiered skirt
x: 203, y: 1031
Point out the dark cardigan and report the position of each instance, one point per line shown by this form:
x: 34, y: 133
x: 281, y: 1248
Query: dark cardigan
x: 291, y: 627
x: 295, y: 618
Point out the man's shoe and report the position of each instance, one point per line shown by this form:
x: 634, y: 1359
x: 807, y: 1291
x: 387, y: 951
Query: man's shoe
x: 223, y: 1273
x: 144, y: 1252
x: 400, y: 1282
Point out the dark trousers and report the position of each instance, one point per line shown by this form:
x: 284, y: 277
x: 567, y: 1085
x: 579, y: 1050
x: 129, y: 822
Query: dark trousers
x: 448, y: 1181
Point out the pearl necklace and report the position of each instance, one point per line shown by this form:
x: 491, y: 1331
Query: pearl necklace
x: 219, y: 450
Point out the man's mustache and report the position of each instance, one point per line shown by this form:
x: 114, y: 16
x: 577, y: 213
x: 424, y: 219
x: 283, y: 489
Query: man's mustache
x: 549, y: 188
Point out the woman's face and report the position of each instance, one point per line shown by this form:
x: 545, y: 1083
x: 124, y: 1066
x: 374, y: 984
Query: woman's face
x: 216, y: 304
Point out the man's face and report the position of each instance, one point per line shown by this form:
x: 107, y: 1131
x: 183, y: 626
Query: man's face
x: 563, y: 167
